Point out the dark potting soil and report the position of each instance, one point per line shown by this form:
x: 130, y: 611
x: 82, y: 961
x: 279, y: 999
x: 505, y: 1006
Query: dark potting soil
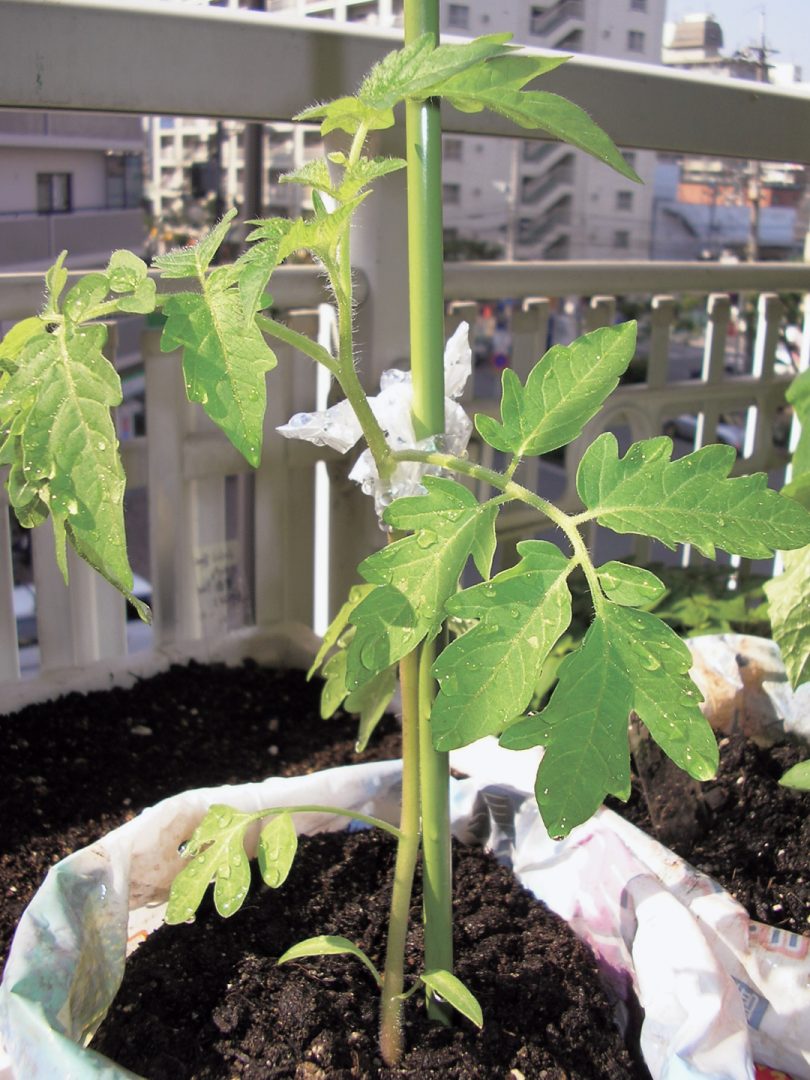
x: 74, y: 770
x: 232, y: 1011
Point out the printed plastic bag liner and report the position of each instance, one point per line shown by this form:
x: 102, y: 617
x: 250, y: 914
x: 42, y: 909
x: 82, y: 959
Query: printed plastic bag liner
x: 719, y: 992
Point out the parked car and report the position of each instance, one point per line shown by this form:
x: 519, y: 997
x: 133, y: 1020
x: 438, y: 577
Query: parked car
x: 685, y: 427
x: 25, y: 608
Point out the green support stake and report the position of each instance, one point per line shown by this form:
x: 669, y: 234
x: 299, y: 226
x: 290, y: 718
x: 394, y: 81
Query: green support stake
x: 426, y: 296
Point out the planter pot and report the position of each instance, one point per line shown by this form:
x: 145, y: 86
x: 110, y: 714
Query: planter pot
x: 718, y: 991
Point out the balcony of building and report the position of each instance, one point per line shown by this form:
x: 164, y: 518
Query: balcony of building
x: 202, y: 507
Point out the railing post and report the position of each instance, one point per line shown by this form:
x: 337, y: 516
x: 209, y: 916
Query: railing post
x: 9, y: 651
x: 379, y: 248
x: 663, y: 315
x: 284, y: 494
x: 769, y: 317
x: 172, y: 567
x: 601, y: 312
x: 529, y: 334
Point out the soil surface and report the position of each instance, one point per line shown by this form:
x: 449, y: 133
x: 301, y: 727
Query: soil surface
x: 70, y: 773
x: 546, y: 1014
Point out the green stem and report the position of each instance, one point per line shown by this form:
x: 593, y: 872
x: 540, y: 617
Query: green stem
x: 313, y: 808
x: 567, y: 523
x: 345, y: 371
x: 423, y: 137
x: 298, y: 341
x: 437, y: 860
x: 391, y: 1036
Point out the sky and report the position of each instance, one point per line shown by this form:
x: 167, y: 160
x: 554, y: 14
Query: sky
x: 787, y: 25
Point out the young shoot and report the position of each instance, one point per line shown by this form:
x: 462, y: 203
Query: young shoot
x: 56, y: 392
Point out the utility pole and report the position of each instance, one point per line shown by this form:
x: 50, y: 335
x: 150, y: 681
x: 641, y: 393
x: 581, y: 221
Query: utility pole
x: 760, y: 52
x: 254, y: 157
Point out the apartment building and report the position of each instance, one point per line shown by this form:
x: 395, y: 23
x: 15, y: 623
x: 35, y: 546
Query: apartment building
x: 526, y: 199
x: 537, y: 200
x: 708, y: 207
x: 68, y: 180
x: 196, y: 168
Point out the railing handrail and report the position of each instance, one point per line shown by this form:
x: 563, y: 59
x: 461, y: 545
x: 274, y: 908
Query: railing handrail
x: 161, y: 57
x: 504, y: 280
x: 293, y: 287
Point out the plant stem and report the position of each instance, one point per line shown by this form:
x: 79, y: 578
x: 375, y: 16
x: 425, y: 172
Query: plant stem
x: 391, y: 1039
x: 437, y: 860
x: 567, y: 523
x: 426, y: 298
x: 315, y: 808
x: 298, y: 341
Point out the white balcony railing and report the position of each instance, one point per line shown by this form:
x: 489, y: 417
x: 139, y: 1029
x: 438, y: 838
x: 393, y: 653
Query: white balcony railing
x: 162, y: 58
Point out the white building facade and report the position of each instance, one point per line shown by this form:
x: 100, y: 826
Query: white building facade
x: 537, y: 200
x: 69, y: 180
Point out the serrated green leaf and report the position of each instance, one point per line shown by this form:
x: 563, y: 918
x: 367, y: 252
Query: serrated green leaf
x: 334, y: 690
x: 664, y: 697
x: 688, y: 501
x: 225, y: 360
x: 789, y: 609
x: 329, y: 945
x: 584, y: 731
x: 256, y: 265
x: 563, y: 392
x: 387, y: 627
x: 55, y: 280
x: 215, y: 853
x: 338, y: 625
x: 348, y: 114
x: 319, y: 234
x: 364, y: 172
x: 141, y: 301
x: 369, y: 704
x: 313, y: 173
x: 799, y: 489
x: 57, y: 404
x: 452, y: 990
x: 630, y: 586
x: 487, y: 677
x: 628, y: 660
x: 797, y: 777
x: 495, y: 86
x: 16, y: 339
x: 125, y: 271
x: 798, y: 395
x: 88, y: 292
x: 278, y: 843
x: 418, y: 67
x: 416, y: 575
x: 194, y: 261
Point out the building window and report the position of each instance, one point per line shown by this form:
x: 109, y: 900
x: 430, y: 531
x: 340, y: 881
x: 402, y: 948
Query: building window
x: 630, y: 157
x: 54, y: 193
x: 621, y: 239
x: 458, y: 16
x: 635, y: 40
x: 452, y: 149
x: 638, y: 5
x: 451, y: 194
x: 624, y: 200
x: 361, y: 12
x: 123, y: 181
x: 536, y: 19
x: 312, y: 138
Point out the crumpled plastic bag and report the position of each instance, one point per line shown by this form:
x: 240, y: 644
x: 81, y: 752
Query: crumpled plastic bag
x: 719, y: 991
x: 339, y: 428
